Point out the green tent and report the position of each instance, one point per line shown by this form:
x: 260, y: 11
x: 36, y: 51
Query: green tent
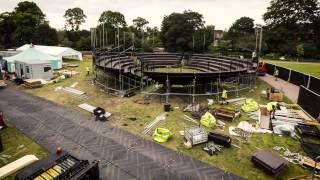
x: 32, y: 54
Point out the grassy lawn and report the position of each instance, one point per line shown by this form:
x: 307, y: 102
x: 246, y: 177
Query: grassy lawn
x: 176, y: 70
x: 17, y: 145
x: 232, y: 160
x: 304, y: 67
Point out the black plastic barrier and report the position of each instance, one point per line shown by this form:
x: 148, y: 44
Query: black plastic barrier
x: 299, y: 79
x: 270, y: 68
x: 283, y: 73
x: 314, y: 85
x: 309, y: 101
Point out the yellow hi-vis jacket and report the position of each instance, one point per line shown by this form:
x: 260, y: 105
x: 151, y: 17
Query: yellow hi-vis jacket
x: 270, y: 105
x: 224, y: 94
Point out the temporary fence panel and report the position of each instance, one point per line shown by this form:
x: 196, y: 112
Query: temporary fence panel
x: 299, y: 79
x: 309, y: 101
x: 314, y: 84
x: 270, y: 68
x: 284, y: 73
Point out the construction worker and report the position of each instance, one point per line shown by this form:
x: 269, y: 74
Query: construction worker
x: 224, y: 96
x: 254, y: 55
x: 276, y: 73
x: 88, y: 70
x: 271, y: 107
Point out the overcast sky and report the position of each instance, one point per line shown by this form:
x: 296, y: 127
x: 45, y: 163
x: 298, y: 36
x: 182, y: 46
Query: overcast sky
x: 221, y: 13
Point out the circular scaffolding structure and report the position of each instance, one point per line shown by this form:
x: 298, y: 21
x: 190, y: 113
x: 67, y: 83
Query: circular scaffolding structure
x: 127, y: 72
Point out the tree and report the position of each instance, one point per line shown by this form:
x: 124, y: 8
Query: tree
x: 300, y: 50
x: 7, y: 29
x: 114, y: 19
x: 26, y: 25
x: 178, y: 30
x: 74, y: 18
x: 241, y: 34
x: 282, y: 12
x: 32, y: 8
x: 139, y: 23
x: 242, y: 27
x: 44, y: 34
x: 291, y: 23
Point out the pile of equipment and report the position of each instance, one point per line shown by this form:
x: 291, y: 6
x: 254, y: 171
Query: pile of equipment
x: 211, y: 148
x: 60, y: 166
x: 33, y: 84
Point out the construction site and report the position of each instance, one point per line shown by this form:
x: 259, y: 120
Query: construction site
x: 187, y: 102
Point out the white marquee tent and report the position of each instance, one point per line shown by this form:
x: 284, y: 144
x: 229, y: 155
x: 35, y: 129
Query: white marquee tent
x: 61, y: 52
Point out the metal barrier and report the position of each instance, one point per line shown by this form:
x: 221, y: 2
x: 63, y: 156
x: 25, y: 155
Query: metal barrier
x: 309, y: 101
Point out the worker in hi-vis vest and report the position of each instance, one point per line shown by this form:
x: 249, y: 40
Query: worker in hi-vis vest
x: 254, y: 55
x: 271, y: 107
x: 88, y: 71
x: 276, y: 73
x: 224, y: 96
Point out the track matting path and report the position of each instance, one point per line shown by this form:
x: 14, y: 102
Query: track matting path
x: 122, y: 155
x: 290, y: 90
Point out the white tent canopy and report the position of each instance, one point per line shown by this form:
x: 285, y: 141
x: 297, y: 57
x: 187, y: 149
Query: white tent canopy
x: 61, y: 52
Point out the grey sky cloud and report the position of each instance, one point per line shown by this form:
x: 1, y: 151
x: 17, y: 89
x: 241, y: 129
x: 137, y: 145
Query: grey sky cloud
x: 221, y: 13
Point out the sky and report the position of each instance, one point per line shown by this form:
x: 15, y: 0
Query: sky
x: 221, y: 13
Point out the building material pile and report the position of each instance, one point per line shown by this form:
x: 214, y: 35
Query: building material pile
x: 162, y: 117
x: 75, y: 92
x: 192, y: 108
x: 237, y: 101
x: 33, y: 84
x: 187, y: 118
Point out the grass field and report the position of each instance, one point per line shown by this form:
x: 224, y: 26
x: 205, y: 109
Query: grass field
x: 232, y: 160
x: 17, y: 145
x: 307, y: 68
